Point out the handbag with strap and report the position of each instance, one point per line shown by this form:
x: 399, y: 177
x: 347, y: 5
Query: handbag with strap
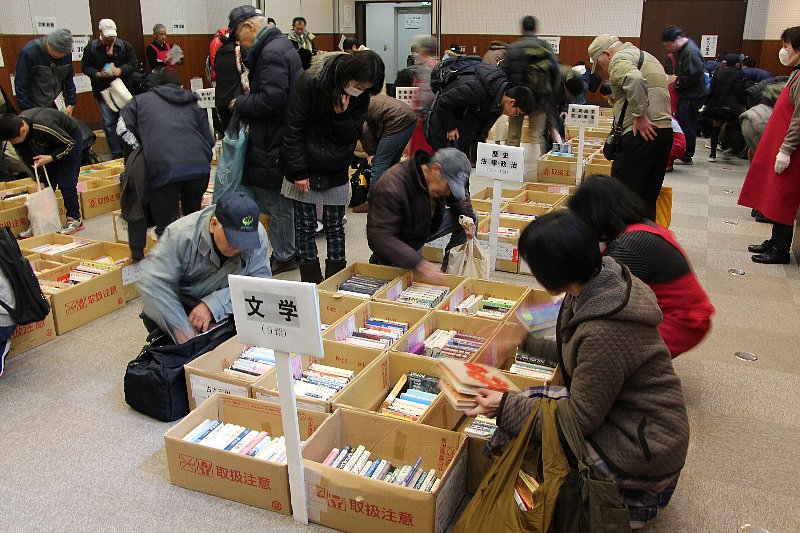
x: 155, y: 383
x: 614, y: 139
x: 43, y: 206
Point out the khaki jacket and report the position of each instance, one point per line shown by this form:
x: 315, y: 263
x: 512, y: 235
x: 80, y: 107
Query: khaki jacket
x: 645, y: 89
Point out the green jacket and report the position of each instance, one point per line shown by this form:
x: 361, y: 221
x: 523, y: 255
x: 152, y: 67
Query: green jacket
x: 645, y: 89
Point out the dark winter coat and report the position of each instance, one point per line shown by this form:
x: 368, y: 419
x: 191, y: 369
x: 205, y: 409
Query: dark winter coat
x: 401, y: 217
x: 472, y: 103
x: 691, y: 82
x: 516, y: 61
x: 39, y: 78
x: 173, y: 132
x: 95, y: 58
x: 51, y: 133
x: 318, y: 143
x: 229, y: 81
x: 274, y: 72
x: 727, y: 99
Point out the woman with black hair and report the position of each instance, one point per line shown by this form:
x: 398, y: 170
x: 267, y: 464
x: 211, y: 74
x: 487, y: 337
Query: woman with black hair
x: 652, y: 253
x: 325, y: 119
x: 618, y: 375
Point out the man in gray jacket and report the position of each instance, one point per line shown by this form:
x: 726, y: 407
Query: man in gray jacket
x: 184, y: 283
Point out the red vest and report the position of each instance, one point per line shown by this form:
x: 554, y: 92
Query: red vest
x: 161, y: 55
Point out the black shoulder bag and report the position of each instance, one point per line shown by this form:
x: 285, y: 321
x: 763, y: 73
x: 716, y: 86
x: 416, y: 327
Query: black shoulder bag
x: 614, y: 139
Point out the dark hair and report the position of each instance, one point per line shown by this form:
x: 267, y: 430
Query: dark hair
x: 10, y: 124
x: 792, y: 36
x: 364, y: 67
x: 575, y: 86
x: 560, y: 249
x: 605, y: 88
x: 671, y: 33
x: 165, y: 76
x: 606, y: 206
x: 749, y: 62
x: 529, y: 23
x: 731, y: 59
x: 272, y: 20
x: 580, y: 63
x: 349, y: 43
x: 298, y: 19
x: 406, y: 77
x: 523, y: 97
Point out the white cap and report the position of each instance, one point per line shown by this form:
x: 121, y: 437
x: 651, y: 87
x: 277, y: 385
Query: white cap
x: 108, y: 28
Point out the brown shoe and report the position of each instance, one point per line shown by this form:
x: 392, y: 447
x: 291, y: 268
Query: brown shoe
x: 363, y: 208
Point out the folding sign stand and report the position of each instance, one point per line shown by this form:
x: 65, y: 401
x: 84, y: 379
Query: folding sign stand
x: 284, y: 316
x: 207, y: 100
x: 582, y: 116
x: 501, y: 163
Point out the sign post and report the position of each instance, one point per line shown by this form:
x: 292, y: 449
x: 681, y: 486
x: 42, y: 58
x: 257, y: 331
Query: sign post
x: 583, y: 116
x: 206, y: 100
x: 501, y: 163
x: 284, y: 316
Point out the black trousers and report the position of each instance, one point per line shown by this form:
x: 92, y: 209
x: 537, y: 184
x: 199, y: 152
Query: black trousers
x: 782, y: 236
x: 641, y: 165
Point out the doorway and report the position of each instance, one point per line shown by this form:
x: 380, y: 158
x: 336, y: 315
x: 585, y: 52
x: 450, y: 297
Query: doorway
x: 389, y: 29
x: 128, y: 18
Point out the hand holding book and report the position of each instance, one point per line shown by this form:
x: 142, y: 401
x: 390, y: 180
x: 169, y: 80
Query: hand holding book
x: 488, y: 403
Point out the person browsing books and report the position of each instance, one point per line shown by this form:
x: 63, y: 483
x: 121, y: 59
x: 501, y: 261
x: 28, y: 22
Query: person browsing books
x: 184, y: 282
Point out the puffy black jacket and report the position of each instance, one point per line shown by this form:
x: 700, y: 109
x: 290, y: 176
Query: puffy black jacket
x: 691, y: 82
x: 727, y: 98
x: 274, y: 72
x: 318, y: 143
x: 229, y: 81
x: 95, y: 58
x: 471, y: 103
x: 516, y: 61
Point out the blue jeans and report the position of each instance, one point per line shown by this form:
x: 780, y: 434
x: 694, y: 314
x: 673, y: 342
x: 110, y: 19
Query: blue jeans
x: 688, y: 117
x: 390, y: 149
x: 281, y: 220
x: 110, y: 119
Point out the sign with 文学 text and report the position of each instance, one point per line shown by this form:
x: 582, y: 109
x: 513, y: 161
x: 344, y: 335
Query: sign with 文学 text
x: 178, y: 26
x: 44, y: 25
x: 277, y: 314
x: 500, y: 162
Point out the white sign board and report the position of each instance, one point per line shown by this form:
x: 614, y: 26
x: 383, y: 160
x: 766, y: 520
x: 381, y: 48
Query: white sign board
x: 583, y: 115
x: 2, y: 61
x: 196, y: 84
x: 83, y: 83
x: 178, y: 26
x: 44, y: 25
x: 554, y: 42
x: 412, y: 22
x: 407, y: 94
x: 13, y: 84
x: 78, y: 44
x: 708, y: 45
x: 277, y: 314
x: 500, y: 162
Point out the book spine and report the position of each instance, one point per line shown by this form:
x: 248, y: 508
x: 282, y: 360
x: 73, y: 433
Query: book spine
x: 331, y: 457
x: 362, y: 460
x: 342, y: 454
x: 260, y: 446
x: 374, y: 466
x: 198, y: 430
x: 260, y: 437
x: 354, y: 458
x: 411, y: 472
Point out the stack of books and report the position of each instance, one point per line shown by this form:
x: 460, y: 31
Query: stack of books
x: 482, y: 427
x: 321, y: 382
x: 60, y: 249
x: 89, y: 270
x: 543, y: 205
x: 540, y: 319
x: 531, y: 366
x: 411, y: 397
x: 359, y: 461
x: 239, y: 439
x: 461, y: 382
x: 477, y: 305
x: 423, y: 295
x: 524, y: 488
x: 378, y: 333
x: 507, y: 232
x: 6, y: 195
x: 520, y: 216
x: 449, y: 343
x: 361, y: 286
x: 252, y: 364
x: 50, y: 288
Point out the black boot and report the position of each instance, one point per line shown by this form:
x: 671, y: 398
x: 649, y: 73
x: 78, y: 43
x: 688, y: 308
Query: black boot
x: 760, y: 248
x: 773, y: 256
x: 333, y: 266
x: 310, y: 271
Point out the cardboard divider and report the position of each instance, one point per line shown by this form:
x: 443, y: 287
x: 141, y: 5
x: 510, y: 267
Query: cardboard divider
x: 13, y: 184
x: 483, y: 208
x: 334, y: 307
x: 507, y: 195
x: 30, y: 336
x: 375, y: 271
x: 121, y: 230
x: 205, y: 376
x: 391, y: 292
x: 555, y: 188
x: 537, y: 203
x: 489, y: 289
x: 232, y: 476
x: 507, y: 247
x: 119, y: 162
x: 337, y: 355
x: 27, y: 246
x: 356, y: 504
x: 102, y: 196
x: 373, y: 309
x: 131, y: 273
x: 597, y: 164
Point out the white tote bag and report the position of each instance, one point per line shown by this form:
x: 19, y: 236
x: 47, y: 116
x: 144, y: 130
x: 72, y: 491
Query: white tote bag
x: 117, y: 95
x: 43, y: 207
x: 470, y: 260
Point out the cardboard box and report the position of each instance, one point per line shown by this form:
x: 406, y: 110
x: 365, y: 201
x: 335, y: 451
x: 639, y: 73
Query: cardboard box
x: 391, y: 292
x: 338, y: 355
x: 121, y: 230
x: 566, y: 190
x: 508, y: 195
x: 373, y: 309
x: 597, y: 164
x: 14, y: 212
x: 483, y: 208
x: 14, y: 184
x: 507, y: 247
x: 557, y: 169
x: 489, y: 289
x: 433, y: 251
x: 352, y: 503
x: 469, y: 325
x: 205, y: 376
x: 101, y: 197
x: 111, y: 163
x: 334, y: 307
x: 80, y: 304
x: 101, y: 144
x: 375, y: 271
x: 28, y: 245
x: 30, y: 336
x: 111, y: 173
x: 131, y: 273
x: 229, y: 475
x: 536, y: 197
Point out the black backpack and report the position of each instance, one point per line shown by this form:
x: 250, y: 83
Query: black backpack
x: 451, y: 69
x: 30, y: 305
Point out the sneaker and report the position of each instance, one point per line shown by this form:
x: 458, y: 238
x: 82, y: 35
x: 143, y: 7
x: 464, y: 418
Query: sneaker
x: 279, y: 267
x: 27, y: 233
x: 5, y: 350
x: 73, y: 225
x: 682, y: 162
x: 320, y: 227
x: 712, y: 159
x: 726, y: 154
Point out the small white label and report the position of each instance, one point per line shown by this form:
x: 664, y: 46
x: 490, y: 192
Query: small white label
x: 504, y: 250
x: 203, y: 388
x: 554, y: 42
x: 79, y: 43
x: 131, y: 274
x: 178, y: 26
x: 83, y: 83
x: 45, y: 25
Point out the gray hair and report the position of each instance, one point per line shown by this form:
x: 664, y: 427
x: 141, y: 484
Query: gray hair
x: 159, y: 27
x: 423, y: 44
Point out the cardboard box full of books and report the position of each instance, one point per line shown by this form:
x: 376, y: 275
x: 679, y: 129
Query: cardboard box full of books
x: 120, y: 254
x: 230, y: 475
x: 53, y: 246
x: 101, y: 197
x: 206, y: 374
x: 371, y: 315
x: 507, y: 241
x: 510, y: 294
x: 30, y: 336
x: 557, y: 169
x: 554, y: 188
x: 334, y: 307
x: 402, y: 291
x: 384, y: 273
x: 350, y: 502
x: 121, y: 230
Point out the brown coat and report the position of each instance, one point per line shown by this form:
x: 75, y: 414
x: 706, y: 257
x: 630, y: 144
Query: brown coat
x: 624, y: 392
x: 496, y: 52
x: 400, y: 219
x: 385, y: 116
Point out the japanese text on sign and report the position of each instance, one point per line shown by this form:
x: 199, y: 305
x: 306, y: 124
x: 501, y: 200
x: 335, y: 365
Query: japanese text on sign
x: 500, y: 162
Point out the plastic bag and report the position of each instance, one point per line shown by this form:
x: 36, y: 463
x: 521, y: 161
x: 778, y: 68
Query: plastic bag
x: 470, y: 260
x: 664, y: 207
x: 117, y: 95
x: 231, y: 162
x: 43, y: 207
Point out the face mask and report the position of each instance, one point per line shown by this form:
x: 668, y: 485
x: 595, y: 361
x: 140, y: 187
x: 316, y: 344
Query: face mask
x: 352, y: 91
x: 784, y: 58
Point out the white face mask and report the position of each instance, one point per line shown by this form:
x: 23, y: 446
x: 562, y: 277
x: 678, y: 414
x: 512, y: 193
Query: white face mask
x: 784, y: 57
x: 352, y: 91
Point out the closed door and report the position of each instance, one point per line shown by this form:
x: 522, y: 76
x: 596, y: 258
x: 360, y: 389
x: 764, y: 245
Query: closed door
x: 409, y: 22
x: 128, y: 18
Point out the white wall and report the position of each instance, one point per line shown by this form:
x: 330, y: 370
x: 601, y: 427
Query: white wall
x: 17, y: 16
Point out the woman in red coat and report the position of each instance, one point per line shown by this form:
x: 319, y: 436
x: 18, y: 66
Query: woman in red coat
x: 773, y: 182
